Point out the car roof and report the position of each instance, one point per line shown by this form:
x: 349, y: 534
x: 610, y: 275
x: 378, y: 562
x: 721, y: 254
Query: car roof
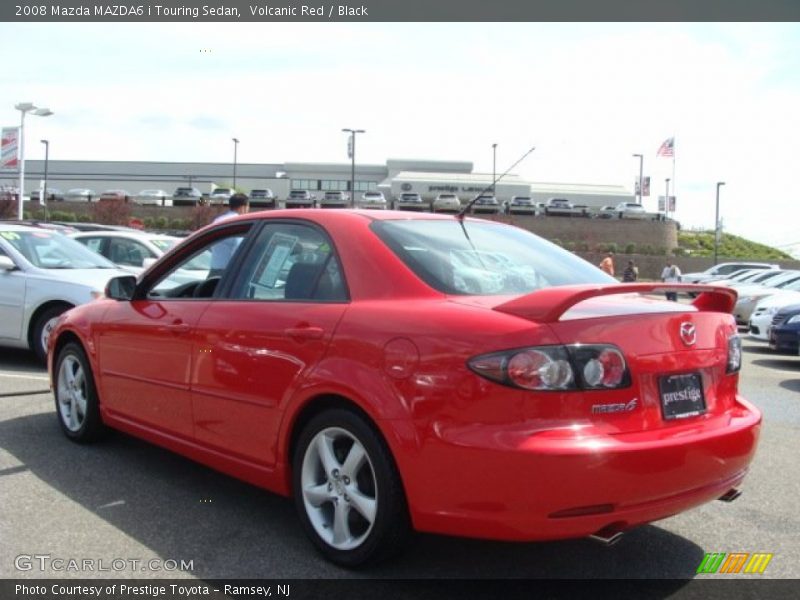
x: 10, y: 226
x: 133, y: 234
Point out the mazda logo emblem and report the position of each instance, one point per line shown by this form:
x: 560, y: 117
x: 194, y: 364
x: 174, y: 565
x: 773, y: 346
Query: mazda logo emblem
x: 688, y: 333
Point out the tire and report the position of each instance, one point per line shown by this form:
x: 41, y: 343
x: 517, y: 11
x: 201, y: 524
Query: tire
x: 77, y: 405
x: 354, y: 514
x: 42, y: 328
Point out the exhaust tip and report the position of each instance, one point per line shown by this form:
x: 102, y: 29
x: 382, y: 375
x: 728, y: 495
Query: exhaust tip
x: 731, y: 495
x: 607, y: 536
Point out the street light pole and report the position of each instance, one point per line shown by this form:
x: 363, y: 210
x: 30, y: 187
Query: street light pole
x: 235, y: 148
x: 641, y: 166
x: 716, y: 223
x: 666, y: 200
x: 46, y: 159
x: 24, y: 108
x: 353, y: 133
x: 494, y: 168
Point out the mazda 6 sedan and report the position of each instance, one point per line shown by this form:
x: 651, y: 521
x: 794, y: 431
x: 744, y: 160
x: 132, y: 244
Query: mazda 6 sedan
x: 381, y: 370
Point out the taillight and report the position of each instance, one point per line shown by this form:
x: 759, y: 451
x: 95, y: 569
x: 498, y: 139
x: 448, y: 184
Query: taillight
x: 734, y: 354
x: 552, y: 368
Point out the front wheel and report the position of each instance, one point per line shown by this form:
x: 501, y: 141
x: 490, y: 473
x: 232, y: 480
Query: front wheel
x: 42, y: 329
x: 347, y: 490
x: 77, y: 404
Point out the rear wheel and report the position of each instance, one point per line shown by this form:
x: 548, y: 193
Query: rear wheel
x: 347, y: 490
x: 77, y: 404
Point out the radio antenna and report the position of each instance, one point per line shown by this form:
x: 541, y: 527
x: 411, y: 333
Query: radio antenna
x: 465, y: 210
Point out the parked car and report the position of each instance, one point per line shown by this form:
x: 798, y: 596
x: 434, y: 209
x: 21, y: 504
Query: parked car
x: 157, y: 197
x: 336, y: 360
x: 766, y: 309
x: 186, y: 196
x: 127, y: 249
x: 263, y: 198
x: 300, y: 199
x: 53, y: 195
x: 335, y: 199
x: 486, y: 204
x: 80, y: 195
x: 410, y: 201
x: 581, y: 210
x: 43, y: 273
x: 446, y: 203
x: 521, y: 205
x: 559, y: 207
x: 784, y: 331
x: 631, y: 210
x: 750, y: 296
x: 221, y: 195
x: 722, y: 270
x: 374, y: 200
x: 110, y: 195
x: 607, y: 212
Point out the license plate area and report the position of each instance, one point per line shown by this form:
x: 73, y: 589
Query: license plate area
x: 681, y: 396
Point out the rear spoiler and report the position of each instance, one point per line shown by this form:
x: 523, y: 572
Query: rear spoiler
x: 549, y: 304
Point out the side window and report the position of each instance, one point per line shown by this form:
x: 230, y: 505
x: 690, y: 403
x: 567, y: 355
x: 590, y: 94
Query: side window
x: 294, y: 263
x: 197, y: 274
x: 94, y: 244
x: 128, y: 252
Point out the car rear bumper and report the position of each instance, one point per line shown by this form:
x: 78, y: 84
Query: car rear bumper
x: 494, y: 483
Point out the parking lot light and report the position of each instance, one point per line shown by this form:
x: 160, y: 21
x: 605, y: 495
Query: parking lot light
x: 46, y: 159
x: 353, y: 133
x: 25, y: 108
x: 716, y: 223
x: 641, y: 166
x: 235, y: 147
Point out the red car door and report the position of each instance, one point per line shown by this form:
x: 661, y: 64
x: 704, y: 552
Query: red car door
x: 144, y: 349
x: 254, y: 349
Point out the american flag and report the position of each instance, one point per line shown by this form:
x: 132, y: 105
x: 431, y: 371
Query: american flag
x: 667, y: 148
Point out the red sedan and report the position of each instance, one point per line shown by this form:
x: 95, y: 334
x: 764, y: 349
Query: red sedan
x: 396, y: 371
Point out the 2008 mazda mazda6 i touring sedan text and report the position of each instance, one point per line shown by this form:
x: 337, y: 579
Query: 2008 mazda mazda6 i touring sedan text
x: 388, y: 375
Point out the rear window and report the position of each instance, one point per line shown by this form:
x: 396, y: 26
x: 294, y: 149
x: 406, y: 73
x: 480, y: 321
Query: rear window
x: 483, y: 258
x: 298, y: 194
x: 409, y: 196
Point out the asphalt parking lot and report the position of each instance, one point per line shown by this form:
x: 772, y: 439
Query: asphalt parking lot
x: 125, y: 499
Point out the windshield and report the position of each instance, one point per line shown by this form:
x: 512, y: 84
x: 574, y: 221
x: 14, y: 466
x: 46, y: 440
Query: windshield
x: 49, y: 250
x: 483, y: 258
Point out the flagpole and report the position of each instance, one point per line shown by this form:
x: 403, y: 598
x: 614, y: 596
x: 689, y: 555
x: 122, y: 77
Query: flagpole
x: 674, y: 183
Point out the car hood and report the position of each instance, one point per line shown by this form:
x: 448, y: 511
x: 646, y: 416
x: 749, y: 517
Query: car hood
x: 780, y: 298
x: 92, y: 278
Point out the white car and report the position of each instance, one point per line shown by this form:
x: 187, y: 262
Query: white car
x: 446, y: 203
x: 559, y: 207
x: 766, y: 309
x: 750, y: 296
x: 722, y: 270
x: 630, y: 210
x: 410, y: 201
x: 372, y: 200
x: 127, y: 249
x: 300, y: 199
x: 80, y: 195
x: 334, y: 199
x: 157, y: 197
x: 43, y: 274
x: 221, y: 195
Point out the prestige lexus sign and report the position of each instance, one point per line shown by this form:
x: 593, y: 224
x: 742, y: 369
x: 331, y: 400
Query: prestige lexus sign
x: 9, y: 149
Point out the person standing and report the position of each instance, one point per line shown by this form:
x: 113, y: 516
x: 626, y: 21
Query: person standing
x: 222, y: 251
x: 607, y: 264
x: 631, y: 272
x: 671, y: 274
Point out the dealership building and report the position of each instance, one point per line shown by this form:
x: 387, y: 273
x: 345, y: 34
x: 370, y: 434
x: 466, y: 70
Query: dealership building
x: 426, y: 177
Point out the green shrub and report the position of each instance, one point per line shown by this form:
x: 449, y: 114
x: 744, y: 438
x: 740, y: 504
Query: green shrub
x: 630, y: 249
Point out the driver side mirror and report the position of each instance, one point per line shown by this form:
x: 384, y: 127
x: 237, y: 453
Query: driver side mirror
x: 6, y: 264
x: 121, y: 288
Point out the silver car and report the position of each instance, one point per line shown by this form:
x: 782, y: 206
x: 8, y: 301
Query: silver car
x: 43, y: 274
x: 446, y: 203
x: 372, y: 200
x: 80, y: 195
x: 335, y: 199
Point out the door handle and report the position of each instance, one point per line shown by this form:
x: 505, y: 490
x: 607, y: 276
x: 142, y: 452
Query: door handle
x: 179, y: 328
x: 304, y: 333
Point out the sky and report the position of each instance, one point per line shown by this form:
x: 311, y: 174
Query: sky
x: 587, y: 95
